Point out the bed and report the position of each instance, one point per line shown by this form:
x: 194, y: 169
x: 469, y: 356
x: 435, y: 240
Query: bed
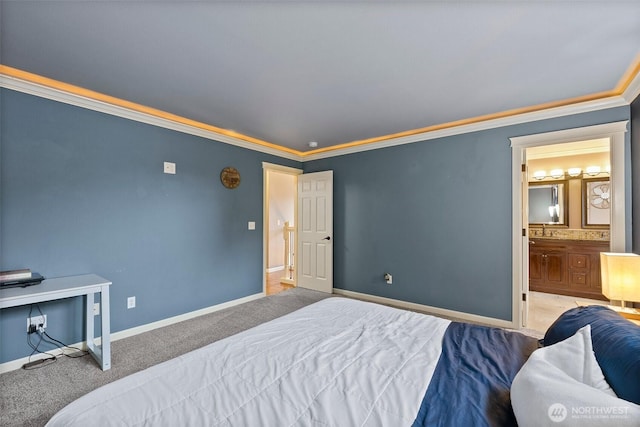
x: 338, y: 362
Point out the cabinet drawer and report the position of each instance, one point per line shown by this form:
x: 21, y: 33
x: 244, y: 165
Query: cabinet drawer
x: 579, y: 261
x: 579, y: 278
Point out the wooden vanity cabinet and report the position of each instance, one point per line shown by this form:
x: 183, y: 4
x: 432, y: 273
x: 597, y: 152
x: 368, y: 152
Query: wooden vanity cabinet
x: 566, y: 267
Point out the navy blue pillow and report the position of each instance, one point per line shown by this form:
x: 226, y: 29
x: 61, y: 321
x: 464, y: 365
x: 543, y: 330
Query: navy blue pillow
x: 616, y: 344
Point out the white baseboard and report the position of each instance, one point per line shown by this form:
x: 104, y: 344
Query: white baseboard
x: 17, y: 364
x: 436, y: 311
x: 274, y: 269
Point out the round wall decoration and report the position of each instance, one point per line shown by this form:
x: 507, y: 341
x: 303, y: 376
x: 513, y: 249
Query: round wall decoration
x: 230, y: 177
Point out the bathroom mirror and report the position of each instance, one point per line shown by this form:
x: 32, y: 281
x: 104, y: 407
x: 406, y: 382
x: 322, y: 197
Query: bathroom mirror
x: 548, y: 203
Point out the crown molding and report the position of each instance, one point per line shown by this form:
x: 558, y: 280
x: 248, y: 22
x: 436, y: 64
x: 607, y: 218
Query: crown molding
x: 549, y: 113
x: 187, y: 126
x: 42, y: 91
x: 633, y: 89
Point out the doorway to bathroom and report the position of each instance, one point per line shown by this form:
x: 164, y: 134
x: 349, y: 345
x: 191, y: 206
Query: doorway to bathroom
x: 569, y: 215
x: 555, y: 264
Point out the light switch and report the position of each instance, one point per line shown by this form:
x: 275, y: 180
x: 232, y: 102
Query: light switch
x: 170, y: 168
x: 252, y: 225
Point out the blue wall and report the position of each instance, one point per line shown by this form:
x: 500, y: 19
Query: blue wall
x: 436, y: 215
x: 84, y: 192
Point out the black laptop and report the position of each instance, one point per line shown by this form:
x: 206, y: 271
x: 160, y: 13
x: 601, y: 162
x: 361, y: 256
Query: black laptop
x: 35, y: 279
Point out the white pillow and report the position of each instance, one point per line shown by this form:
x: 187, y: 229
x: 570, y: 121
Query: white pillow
x: 563, y: 385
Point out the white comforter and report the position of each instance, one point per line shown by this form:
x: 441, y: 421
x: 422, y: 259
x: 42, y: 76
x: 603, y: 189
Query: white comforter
x: 338, y: 362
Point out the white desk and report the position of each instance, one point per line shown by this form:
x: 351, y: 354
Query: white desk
x: 64, y: 287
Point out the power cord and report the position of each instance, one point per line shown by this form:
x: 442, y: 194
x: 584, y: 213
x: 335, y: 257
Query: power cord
x: 54, y: 341
x: 40, y: 362
x: 46, y: 338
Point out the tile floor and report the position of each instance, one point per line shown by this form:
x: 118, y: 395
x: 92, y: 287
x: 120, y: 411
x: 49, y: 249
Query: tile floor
x: 544, y: 308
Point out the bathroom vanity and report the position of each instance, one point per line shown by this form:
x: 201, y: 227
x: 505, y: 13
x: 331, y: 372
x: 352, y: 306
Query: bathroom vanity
x: 566, y: 267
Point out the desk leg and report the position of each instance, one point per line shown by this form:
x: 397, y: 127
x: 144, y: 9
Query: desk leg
x: 88, y: 333
x: 106, y: 329
x: 102, y: 354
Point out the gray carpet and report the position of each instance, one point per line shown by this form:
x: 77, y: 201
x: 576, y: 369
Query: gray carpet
x: 31, y: 398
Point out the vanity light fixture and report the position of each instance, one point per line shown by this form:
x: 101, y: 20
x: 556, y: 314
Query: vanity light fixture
x: 557, y: 173
x: 574, y: 172
x: 540, y: 175
x: 593, y: 170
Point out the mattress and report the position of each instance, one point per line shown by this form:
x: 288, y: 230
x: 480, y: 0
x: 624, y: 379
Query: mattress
x: 337, y: 362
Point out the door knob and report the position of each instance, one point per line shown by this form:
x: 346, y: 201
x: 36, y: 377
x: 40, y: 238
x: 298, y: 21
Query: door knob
x: 327, y: 238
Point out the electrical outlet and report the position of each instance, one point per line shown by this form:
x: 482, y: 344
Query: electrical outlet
x: 96, y: 309
x: 37, y: 321
x: 131, y: 302
x: 170, y: 168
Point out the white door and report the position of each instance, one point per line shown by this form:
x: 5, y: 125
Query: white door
x: 315, y: 231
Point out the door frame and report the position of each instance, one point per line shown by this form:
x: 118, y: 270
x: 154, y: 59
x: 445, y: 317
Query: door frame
x: 266, y: 168
x: 615, y: 132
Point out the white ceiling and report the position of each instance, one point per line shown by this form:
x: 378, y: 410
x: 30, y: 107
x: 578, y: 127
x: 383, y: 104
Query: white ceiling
x: 333, y: 72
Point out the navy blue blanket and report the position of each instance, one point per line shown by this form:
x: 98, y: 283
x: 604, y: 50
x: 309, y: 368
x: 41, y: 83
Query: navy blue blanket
x: 471, y: 382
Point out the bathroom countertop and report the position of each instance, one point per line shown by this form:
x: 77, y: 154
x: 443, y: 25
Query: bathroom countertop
x: 569, y: 234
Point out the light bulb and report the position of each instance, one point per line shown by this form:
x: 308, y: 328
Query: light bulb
x: 593, y: 170
x: 540, y: 174
x: 557, y: 173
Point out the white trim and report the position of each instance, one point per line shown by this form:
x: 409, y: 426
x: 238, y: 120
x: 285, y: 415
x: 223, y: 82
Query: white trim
x: 20, y: 85
x: 42, y: 91
x: 550, y: 113
x: 633, y: 90
x: 618, y: 227
x: 280, y: 168
x: 274, y: 269
x: 17, y: 364
x: 517, y: 157
x: 615, y: 133
x: 436, y: 311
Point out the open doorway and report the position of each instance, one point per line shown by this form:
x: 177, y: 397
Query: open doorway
x: 569, y: 217
x: 280, y: 196
x: 619, y: 229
